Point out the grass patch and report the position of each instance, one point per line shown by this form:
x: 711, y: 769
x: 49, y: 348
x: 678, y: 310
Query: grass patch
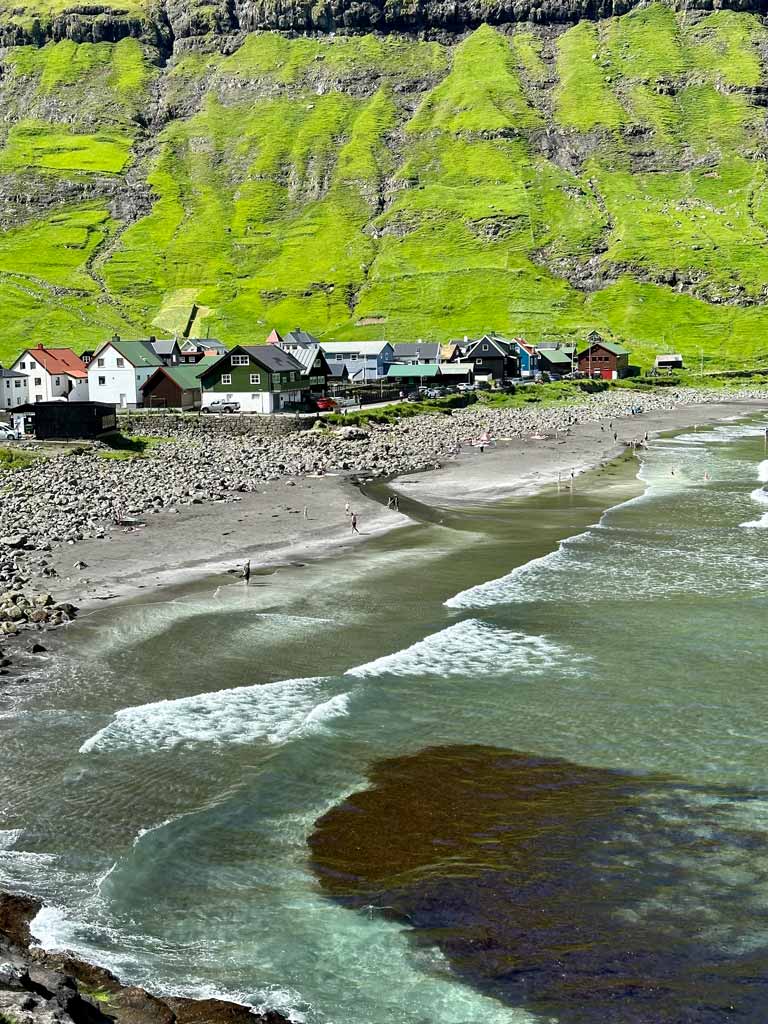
x: 45, y: 146
x: 14, y: 459
x: 129, y: 446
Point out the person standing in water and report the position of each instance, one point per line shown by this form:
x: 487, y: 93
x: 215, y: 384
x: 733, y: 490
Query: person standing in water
x: 247, y: 571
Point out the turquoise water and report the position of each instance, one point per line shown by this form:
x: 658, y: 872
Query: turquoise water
x: 163, y: 770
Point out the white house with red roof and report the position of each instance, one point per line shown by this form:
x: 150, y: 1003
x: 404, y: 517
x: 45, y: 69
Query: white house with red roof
x: 53, y: 373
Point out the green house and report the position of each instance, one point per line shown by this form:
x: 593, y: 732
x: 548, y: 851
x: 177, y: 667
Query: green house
x: 262, y: 378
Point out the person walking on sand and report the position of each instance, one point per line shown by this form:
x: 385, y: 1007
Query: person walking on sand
x: 247, y: 572
x: 354, y: 524
x: 347, y: 510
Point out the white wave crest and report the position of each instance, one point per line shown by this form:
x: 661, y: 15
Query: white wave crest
x: 762, y: 471
x: 274, y: 712
x: 9, y: 837
x: 485, y: 595
x: 471, y: 648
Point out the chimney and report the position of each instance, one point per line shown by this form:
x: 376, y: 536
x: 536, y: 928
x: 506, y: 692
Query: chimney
x: 115, y: 337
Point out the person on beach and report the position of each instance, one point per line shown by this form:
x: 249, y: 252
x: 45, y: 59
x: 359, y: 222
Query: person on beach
x: 347, y: 510
x: 354, y: 524
x: 306, y: 512
x: 247, y: 572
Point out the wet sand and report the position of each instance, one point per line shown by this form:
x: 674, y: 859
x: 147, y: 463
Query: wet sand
x: 269, y: 527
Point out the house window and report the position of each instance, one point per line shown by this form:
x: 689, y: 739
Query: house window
x: 102, y: 380
x: 99, y: 362
x: 38, y: 382
x: 33, y: 366
x: 478, y: 361
x: 17, y: 383
x: 255, y: 378
x: 22, y: 366
x: 38, y: 398
x: 293, y: 375
x: 485, y: 348
x: 57, y: 381
x: 226, y: 378
x: 240, y: 360
x: 120, y: 362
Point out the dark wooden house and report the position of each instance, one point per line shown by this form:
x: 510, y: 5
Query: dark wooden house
x: 176, y: 387
x: 493, y: 357
x: 64, y: 421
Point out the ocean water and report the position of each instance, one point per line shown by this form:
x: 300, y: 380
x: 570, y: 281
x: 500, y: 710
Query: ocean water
x: 507, y: 765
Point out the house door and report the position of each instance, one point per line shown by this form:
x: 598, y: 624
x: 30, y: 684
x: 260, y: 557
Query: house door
x: 123, y: 401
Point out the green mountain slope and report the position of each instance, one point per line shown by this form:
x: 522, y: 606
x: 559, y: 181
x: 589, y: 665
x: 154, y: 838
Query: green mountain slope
x: 534, y: 180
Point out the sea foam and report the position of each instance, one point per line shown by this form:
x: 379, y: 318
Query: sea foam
x: 471, y: 648
x: 273, y: 712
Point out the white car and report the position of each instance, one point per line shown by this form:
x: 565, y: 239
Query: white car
x: 8, y: 433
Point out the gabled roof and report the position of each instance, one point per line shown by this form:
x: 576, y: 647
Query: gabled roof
x: 556, y: 355
x: 137, y: 353
x: 183, y: 374
x: 418, y: 350
x: 411, y: 371
x: 298, y: 337
x: 11, y: 373
x: 57, y: 360
x: 609, y: 346
x: 501, y: 346
x: 456, y: 369
x: 306, y: 355
x: 164, y: 346
x: 366, y: 348
x: 271, y: 357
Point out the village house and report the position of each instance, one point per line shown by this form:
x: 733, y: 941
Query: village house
x: 14, y: 388
x: 419, y: 353
x: 176, y: 387
x: 118, y: 370
x: 559, y: 359
x: 492, y: 357
x: 194, y: 349
x: 262, y: 378
x: 605, y: 357
x: 52, y: 373
x: 168, y: 349
x: 314, y: 366
x: 364, y: 360
x: 61, y: 421
x: 526, y: 356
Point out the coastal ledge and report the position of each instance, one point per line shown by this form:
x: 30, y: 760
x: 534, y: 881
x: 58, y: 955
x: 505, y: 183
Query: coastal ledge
x: 39, y: 987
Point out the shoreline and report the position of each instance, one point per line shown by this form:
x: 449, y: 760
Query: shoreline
x: 201, y: 541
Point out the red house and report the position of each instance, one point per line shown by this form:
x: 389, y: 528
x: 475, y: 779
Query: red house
x: 605, y: 357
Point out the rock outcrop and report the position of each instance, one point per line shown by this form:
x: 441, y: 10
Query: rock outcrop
x: 37, y: 987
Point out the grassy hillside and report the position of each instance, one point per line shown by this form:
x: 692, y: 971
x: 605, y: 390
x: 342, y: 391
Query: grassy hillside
x: 529, y: 180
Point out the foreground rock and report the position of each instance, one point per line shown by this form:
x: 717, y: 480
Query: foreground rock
x: 57, y: 988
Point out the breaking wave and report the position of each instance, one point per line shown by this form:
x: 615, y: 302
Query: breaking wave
x: 273, y: 712
x: 472, y: 647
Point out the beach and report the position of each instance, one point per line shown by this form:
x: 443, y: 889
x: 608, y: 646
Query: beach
x: 269, y: 527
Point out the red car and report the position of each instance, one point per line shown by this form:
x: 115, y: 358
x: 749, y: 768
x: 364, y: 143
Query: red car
x: 325, y: 404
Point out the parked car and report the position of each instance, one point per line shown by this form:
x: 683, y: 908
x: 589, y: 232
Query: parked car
x: 221, y: 405
x: 465, y: 387
x: 346, y: 403
x: 434, y: 392
x: 8, y: 433
x: 325, y: 404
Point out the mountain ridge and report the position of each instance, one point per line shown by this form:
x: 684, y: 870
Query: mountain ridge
x: 532, y: 179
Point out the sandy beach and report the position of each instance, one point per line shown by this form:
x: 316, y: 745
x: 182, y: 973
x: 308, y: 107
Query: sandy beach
x: 269, y: 527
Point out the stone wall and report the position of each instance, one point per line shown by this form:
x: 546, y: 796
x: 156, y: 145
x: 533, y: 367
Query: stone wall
x: 164, y: 423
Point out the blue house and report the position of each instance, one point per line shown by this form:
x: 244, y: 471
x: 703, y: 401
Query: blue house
x: 364, y: 360
x: 527, y: 356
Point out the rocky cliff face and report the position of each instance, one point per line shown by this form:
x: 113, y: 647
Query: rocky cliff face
x: 460, y: 169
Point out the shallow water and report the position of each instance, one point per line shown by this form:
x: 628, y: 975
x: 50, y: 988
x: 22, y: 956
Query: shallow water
x: 163, y: 771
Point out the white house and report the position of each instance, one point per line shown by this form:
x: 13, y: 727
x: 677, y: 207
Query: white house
x: 52, y: 373
x: 14, y: 388
x: 118, y: 370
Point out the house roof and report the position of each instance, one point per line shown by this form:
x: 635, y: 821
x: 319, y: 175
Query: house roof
x: 609, y: 346
x: 366, y: 348
x: 272, y: 358
x: 669, y: 358
x: 418, y: 350
x: 409, y: 371
x: 306, y: 355
x: 501, y: 346
x: 449, y: 350
x: 11, y: 373
x: 186, y: 375
x: 299, y: 337
x: 556, y: 355
x: 57, y: 360
x: 456, y: 369
x: 164, y: 346
x: 138, y: 353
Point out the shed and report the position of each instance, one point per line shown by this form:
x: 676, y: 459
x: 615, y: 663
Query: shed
x: 176, y: 387
x: 672, y: 361
x: 412, y: 372
x: 64, y: 421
